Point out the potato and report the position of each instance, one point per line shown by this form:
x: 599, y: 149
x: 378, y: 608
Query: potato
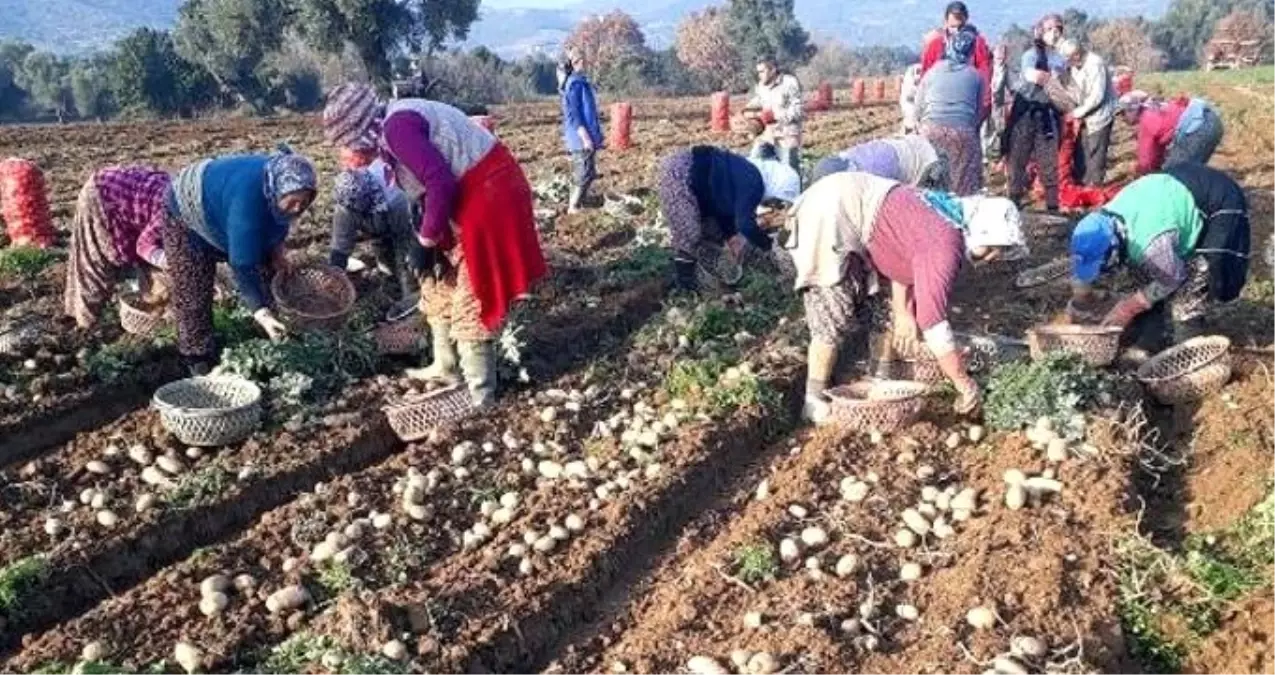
x: 394, y: 650
x: 704, y: 665
x: 213, y: 603
x: 762, y: 663
x: 846, y: 565
x: 1015, y: 497
x: 188, y: 656
x: 814, y: 537
x: 916, y: 522
x: 981, y: 618
x: 287, y: 599
x: 217, y: 583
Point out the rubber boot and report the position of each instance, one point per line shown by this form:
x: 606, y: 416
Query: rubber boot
x: 478, y: 363
x: 443, y: 369
x: 684, y: 275
x: 821, y: 360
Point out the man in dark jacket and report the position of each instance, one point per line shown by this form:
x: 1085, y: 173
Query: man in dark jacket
x: 581, y: 131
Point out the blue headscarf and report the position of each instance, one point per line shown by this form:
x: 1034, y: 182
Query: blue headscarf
x: 960, y: 46
x: 287, y: 172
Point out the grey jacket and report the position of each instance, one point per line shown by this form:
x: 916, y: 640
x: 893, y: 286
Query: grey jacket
x: 951, y: 95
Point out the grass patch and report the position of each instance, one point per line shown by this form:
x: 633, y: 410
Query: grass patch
x: 712, y: 386
x: 25, y: 263
x: 1173, y: 82
x: 199, y: 488
x: 303, y: 651
x: 16, y: 579
x: 400, y: 559
x: 1058, y: 387
x: 643, y: 262
x: 755, y: 563
x: 335, y: 578
x: 116, y: 361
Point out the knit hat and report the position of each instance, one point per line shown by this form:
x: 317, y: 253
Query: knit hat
x: 993, y: 221
x: 780, y: 181
x: 350, y: 118
x: 1091, y: 243
x: 960, y: 46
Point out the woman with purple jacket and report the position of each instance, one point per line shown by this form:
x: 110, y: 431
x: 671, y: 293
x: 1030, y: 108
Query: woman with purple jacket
x: 581, y: 131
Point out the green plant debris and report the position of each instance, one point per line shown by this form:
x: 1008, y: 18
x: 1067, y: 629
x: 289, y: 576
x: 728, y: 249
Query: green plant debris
x: 115, y: 362
x: 16, y: 579
x: 303, y: 370
x: 200, y: 488
x: 233, y: 324
x: 399, y: 559
x: 336, y: 578
x: 755, y: 563
x: 641, y: 263
x: 303, y: 651
x: 25, y: 263
x: 713, y: 387
x: 1058, y: 387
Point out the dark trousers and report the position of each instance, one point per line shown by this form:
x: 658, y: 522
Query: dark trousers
x: 1031, y: 138
x: 584, y: 167
x: 1090, y: 164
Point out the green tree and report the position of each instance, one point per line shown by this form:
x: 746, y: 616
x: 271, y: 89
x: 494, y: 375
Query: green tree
x: 147, y: 75
x: 1188, y: 25
x: 44, y: 76
x: 230, y: 39
x: 380, y: 29
x: 89, y: 89
x: 768, y: 28
x: 12, y: 96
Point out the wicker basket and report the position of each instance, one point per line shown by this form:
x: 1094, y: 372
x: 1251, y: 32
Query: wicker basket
x: 314, y: 296
x: 15, y: 339
x: 1189, y: 371
x: 881, y: 405
x: 1098, y: 346
x: 138, y: 319
x: 1043, y: 274
x: 716, y: 267
x: 209, y: 411
x: 399, y: 337
x: 415, y: 420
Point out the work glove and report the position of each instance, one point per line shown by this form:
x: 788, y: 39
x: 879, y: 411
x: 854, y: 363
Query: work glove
x: 1126, y: 310
x: 969, y: 399
x: 274, y: 327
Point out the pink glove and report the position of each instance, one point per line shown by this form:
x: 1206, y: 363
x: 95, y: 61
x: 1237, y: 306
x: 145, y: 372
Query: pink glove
x: 1127, y: 310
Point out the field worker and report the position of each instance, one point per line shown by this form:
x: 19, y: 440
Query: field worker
x: 581, y: 130
x: 1095, y: 94
x: 477, y: 222
x: 237, y: 209
x: 118, y: 226
x: 1033, y: 128
x: 369, y: 205
x: 1171, y: 132
x: 850, y: 228
x: 777, y: 105
x: 956, y: 18
x: 1186, y: 230
x: 907, y: 98
x: 912, y: 160
x: 950, y: 106
x: 994, y: 125
x: 709, y: 193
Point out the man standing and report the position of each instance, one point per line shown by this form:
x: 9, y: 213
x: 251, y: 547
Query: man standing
x: 777, y: 105
x: 581, y: 130
x: 955, y: 18
x: 1095, y: 95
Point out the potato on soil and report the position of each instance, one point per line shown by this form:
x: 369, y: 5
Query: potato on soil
x: 287, y: 599
x: 704, y: 665
x: 762, y: 663
x: 188, y: 656
x: 981, y: 618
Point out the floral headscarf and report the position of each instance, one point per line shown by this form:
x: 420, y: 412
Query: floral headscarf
x: 960, y: 46
x: 287, y: 172
x: 352, y: 117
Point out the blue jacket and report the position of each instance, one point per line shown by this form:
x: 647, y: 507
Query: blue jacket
x: 243, y: 227
x: 729, y: 189
x: 579, y: 109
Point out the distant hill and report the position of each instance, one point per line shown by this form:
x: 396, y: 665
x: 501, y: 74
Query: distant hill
x: 77, y: 26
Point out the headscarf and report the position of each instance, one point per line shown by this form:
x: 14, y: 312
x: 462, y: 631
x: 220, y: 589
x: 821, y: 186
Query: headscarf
x: 916, y: 156
x: 288, y: 172
x: 1091, y: 244
x: 564, y: 71
x: 351, y: 118
x: 780, y: 180
x: 1134, y: 101
x: 1067, y: 48
x: 960, y: 46
x: 359, y: 191
x: 993, y: 221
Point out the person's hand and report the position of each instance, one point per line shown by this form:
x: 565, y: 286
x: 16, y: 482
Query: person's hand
x: 274, y: 327
x: 969, y: 399
x: 1126, y: 311
x: 586, y: 141
x: 735, y: 247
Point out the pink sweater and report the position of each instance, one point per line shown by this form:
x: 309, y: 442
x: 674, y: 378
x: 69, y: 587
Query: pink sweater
x: 915, y: 246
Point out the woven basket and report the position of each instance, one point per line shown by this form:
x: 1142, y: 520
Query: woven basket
x: 716, y: 267
x: 415, y: 420
x: 398, y: 337
x: 1043, y: 274
x: 314, y: 296
x: 15, y: 339
x: 882, y: 405
x: 1189, y: 371
x: 209, y: 411
x: 138, y: 319
x: 1096, y: 345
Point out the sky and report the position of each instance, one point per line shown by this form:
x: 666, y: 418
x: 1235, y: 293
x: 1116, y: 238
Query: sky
x: 538, y: 4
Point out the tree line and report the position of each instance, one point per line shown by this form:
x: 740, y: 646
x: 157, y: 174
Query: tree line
x: 258, y: 55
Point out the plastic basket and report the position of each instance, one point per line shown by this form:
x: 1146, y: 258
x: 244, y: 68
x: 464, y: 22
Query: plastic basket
x: 716, y: 267
x: 138, y: 319
x: 399, y: 337
x: 314, y: 296
x: 1098, y: 346
x: 882, y: 405
x: 1189, y: 371
x: 415, y: 420
x: 209, y: 411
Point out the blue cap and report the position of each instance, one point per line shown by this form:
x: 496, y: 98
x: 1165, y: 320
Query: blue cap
x: 1092, y: 240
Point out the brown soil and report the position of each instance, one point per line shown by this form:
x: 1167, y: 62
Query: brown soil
x: 1245, y: 643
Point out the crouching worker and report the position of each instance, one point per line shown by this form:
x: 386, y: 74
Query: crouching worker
x: 1186, y: 231
x: 118, y: 225
x: 851, y: 228
x: 236, y: 209
x: 912, y: 160
x: 367, y: 205
x: 708, y: 193
x: 478, y: 224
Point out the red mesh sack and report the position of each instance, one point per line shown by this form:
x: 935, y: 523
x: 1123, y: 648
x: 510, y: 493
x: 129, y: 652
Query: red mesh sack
x: 857, y: 90
x: 721, y: 112
x: 621, y: 126
x: 24, y: 204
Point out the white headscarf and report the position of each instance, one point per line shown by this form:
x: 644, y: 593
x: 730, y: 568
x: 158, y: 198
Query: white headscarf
x: 781, y: 181
x: 993, y: 221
